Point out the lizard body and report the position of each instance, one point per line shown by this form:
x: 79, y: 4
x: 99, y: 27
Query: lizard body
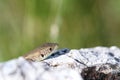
x: 41, y: 52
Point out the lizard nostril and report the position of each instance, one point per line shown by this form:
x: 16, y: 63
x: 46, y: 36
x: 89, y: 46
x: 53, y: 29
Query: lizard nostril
x: 50, y: 49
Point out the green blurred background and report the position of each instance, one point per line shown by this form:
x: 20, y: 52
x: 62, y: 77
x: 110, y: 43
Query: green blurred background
x: 26, y: 24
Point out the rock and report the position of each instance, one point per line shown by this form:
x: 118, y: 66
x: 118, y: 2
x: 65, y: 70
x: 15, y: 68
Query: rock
x: 98, y: 63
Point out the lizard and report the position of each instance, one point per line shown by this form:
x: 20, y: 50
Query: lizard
x: 41, y: 52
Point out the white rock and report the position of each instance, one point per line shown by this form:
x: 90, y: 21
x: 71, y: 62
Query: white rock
x: 63, y: 65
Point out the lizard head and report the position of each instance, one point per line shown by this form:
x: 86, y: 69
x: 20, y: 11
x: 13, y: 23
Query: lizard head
x: 41, y: 52
x: 46, y: 50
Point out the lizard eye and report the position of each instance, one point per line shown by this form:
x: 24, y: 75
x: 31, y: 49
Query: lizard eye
x: 50, y: 49
x: 42, y: 55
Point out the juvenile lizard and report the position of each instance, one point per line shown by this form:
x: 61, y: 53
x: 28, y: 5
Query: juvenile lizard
x: 41, y: 52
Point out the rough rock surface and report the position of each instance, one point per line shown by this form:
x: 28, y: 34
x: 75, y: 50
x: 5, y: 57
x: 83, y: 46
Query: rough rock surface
x: 99, y: 63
